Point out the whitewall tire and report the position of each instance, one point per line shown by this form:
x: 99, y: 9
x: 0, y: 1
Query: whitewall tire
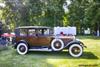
x: 22, y: 48
x: 75, y: 50
x: 57, y: 45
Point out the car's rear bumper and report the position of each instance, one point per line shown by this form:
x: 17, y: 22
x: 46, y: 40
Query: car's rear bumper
x: 14, y: 45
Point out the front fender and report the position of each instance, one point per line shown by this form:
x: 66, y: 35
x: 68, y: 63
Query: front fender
x: 75, y: 42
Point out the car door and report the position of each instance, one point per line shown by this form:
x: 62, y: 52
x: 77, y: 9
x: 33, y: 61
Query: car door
x: 38, y: 38
x: 44, y: 40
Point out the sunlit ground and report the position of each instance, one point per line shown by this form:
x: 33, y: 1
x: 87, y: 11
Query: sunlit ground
x: 90, y: 58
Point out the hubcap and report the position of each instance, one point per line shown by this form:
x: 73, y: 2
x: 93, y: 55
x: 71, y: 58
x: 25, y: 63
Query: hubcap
x: 57, y: 45
x: 22, y: 48
x: 75, y: 50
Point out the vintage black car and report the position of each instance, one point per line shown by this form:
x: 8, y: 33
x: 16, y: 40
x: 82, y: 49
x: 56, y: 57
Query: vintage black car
x: 41, y: 38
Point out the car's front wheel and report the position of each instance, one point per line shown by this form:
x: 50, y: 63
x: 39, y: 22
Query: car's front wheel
x: 75, y: 50
x: 22, y: 48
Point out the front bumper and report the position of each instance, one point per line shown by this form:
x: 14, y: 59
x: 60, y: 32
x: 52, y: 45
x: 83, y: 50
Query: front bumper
x: 81, y: 43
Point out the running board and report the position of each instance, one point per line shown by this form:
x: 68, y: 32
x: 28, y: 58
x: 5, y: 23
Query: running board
x: 43, y: 49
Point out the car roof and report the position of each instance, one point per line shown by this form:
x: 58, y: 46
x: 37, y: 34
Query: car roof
x: 33, y: 27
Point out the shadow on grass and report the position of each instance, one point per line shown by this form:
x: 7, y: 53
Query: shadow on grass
x: 62, y: 55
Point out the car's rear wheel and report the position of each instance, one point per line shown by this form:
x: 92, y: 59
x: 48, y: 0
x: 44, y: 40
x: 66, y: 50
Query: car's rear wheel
x: 75, y: 50
x: 22, y: 48
x: 57, y: 45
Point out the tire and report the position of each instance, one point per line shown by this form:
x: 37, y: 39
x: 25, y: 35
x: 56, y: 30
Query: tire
x: 22, y: 48
x: 57, y: 45
x: 75, y: 50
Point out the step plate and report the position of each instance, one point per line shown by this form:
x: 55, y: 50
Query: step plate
x: 44, y: 49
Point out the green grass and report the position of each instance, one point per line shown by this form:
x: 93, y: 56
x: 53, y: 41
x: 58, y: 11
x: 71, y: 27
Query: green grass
x: 90, y: 58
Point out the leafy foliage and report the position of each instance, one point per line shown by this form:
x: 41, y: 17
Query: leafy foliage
x: 82, y: 13
x: 34, y: 12
x: 85, y: 14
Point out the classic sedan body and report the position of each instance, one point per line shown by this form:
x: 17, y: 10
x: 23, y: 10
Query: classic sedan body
x: 41, y: 38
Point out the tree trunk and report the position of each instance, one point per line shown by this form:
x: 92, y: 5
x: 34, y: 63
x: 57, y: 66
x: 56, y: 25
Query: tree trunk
x: 98, y: 31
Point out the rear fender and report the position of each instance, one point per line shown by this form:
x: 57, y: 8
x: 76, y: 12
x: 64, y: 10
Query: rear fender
x: 21, y: 41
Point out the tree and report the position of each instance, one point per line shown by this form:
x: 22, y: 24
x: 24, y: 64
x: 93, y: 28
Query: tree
x: 34, y: 12
x: 84, y: 14
x: 76, y: 14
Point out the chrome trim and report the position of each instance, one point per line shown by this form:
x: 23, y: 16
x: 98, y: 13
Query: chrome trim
x: 43, y: 49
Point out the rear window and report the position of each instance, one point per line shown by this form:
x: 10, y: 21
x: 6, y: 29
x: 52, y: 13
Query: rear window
x: 20, y: 32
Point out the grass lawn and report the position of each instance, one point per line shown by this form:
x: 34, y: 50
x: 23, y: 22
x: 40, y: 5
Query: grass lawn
x: 90, y: 58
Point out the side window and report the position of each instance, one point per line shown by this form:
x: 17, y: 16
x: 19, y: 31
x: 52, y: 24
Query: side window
x: 39, y: 32
x: 46, y: 32
x: 34, y: 32
x: 23, y: 32
x: 31, y: 32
